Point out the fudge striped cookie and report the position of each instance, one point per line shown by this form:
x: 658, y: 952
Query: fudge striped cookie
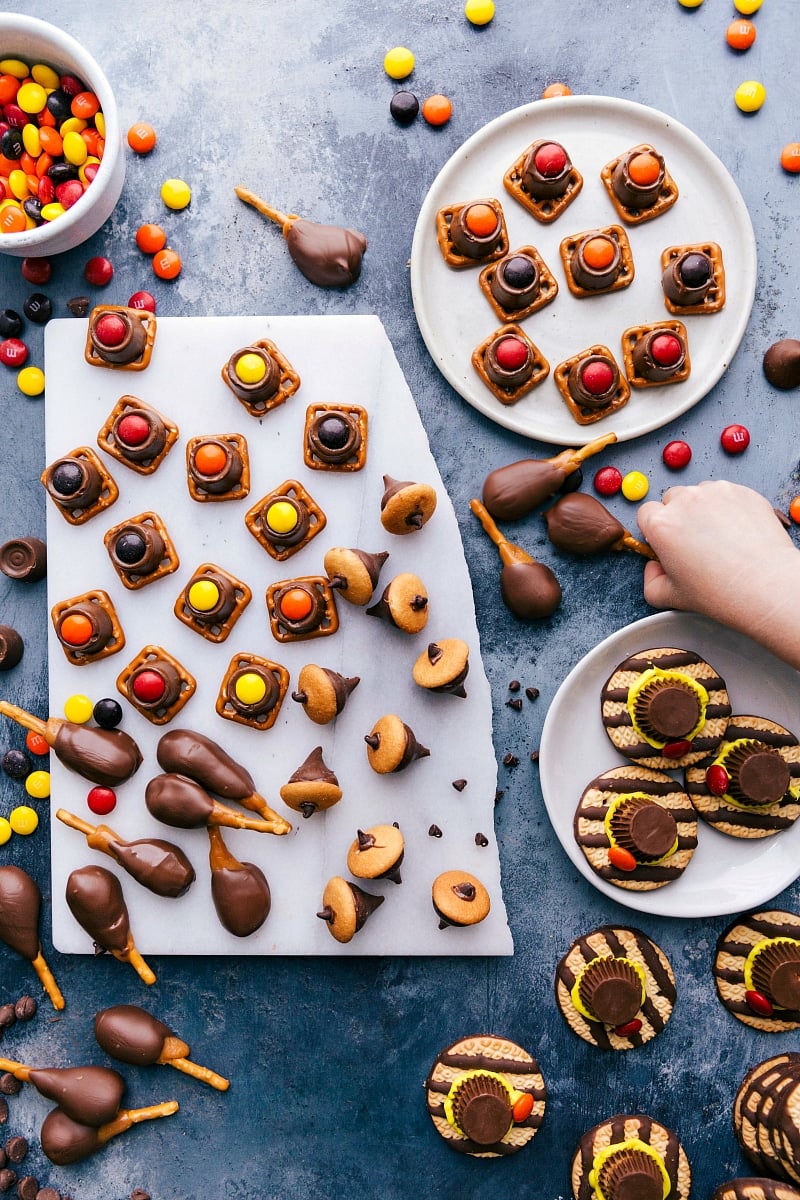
x: 665, y: 708
x: 632, y: 1155
x: 757, y: 970
x: 755, y: 1189
x: 754, y: 1105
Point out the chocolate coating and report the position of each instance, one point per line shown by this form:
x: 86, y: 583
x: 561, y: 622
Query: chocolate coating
x: 782, y: 364
x: 186, y: 752
x: 91, y: 1095
x: 24, y: 558
x: 74, y: 483
x: 12, y: 647
x: 151, y: 446
x: 544, y: 187
x: 130, y: 1034
x: 241, y: 898
x: 530, y: 590
x: 466, y: 242
x: 178, y: 801
x: 512, y: 492
x: 131, y: 346
x: 157, y: 865
x: 689, y: 278
x: 95, y: 899
x: 20, y: 904
x: 66, y: 1141
x: 223, y: 480
x: 582, y: 525
x: 328, y: 255
x: 104, y: 756
x: 334, y: 436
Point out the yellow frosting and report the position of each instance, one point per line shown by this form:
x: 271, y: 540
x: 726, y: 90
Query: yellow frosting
x: 646, y: 678
x: 607, y: 1152
x: 575, y: 990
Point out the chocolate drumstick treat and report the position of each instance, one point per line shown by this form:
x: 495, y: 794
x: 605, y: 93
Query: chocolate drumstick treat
x: 323, y: 693
x: 313, y: 787
x: 354, y: 573
x: 511, y: 492
x: 529, y: 588
x: 91, y: 1095
x: 105, y: 756
x: 328, y: 255
x: 20, y: 904
x: 239, y: 890
x: 184, y: 804
x: 95, y: 899
x: 66, y: 1141
x: 159, y: 866
x: 186, y: 752
x: 582, y: 525
x: 131, y: 1035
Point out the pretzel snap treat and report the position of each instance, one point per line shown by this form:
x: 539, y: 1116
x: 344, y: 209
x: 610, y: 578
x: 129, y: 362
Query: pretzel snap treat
x: 218, y: 468
x: 543, y: 180
x: 252, y: 691
x: 119, y: 337
x: 260, y: 377
x: 693, y: 279
x: 639, y: 185
x: 141, y: 550
x: 591, y: 384
x: 156, y: 684
x: 597, y: 261
x: 630, y: 1155
x: 510, y: 364
x: 656, y: 355
x: 486, y: 1096
x: 212, y: 602
x: 137, y: 435
x: 335, y: 437
x: 79, y: 485
x: 519, y: 284
x: 285, y: 520
x: 472, y: 233
x: 88, y: 628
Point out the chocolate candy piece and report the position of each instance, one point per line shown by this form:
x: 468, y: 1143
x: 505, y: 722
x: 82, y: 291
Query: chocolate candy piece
x: 253, y: 375
x: 328, y: 255
x: 620, y: 1165
x: 120, y: 337
x: 667, y: 710
x: 346, y: 908
x: 646, y: 829
x: 631, y: 1174
x: 639, y: 185
x: 659, y: 355
x: 757, y: 774
x: 391, y: 746
x: 509, y: 363
x: 24, y: 559
x: 459, y: 899
x: 335, y: 438
x: 611, y: 990
x: 782, y: 364
x: 323, y: 693
x: 597, y: 261
x: 79, y: 485
x: 482, y: 1108
x: 285, y: 520
x: 141, y: 550
x: 11, y: 647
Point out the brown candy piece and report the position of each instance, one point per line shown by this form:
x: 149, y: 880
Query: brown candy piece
x: 782, y: 364
x: 24, y: 558
x: 482, y: 1109
x: 346, y: 908
x: 776, y: 973
x: 758, y: 775
x: 313, y: 787
x: 667, y: 709
x: 631, y: 1174
x: 12, y: 647
x: 646, y: 829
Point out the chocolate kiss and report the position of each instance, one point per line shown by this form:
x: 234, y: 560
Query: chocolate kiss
x: 776, y: 973
x: 611, y: 990
x: 667, y: 710
x: 314, y: 770
x: 644, y: 828
x: 365, y: 904
x: 482, y: 1109
x: 758, y: 775
x: 631, y: 1175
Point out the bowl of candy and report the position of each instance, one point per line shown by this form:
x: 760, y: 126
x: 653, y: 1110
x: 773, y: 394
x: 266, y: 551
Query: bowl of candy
x: 62, y: 164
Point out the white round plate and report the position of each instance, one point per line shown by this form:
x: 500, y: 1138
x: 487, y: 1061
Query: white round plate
x: 454, y: 316
x: 726, y: 874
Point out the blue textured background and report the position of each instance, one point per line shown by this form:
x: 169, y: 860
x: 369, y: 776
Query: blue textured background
x: 328, y: 1058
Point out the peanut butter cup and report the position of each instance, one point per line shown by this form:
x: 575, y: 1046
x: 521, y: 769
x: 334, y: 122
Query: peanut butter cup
x: 611, y: 990
x: 482, y: 1108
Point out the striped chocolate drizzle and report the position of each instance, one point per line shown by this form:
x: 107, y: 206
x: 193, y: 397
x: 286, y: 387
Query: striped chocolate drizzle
x: 763, y: 925
x: 616, y: 1133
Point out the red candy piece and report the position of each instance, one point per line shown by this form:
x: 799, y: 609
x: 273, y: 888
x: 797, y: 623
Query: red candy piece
x: 523, y: 1107
x: 37, y: 270
x: 597, y: 378
x: 621, y: 858
x: 98, y: 271
x: 13, y: 352
x: 148, y: 686
x: 629, y: 1028
x: 758, y: 1003
x: 734, y: 439
x: 550, y: 160
x: 143, y: 300
x: 134, y: 430
x: 677, y: 749
x: 110, y: 329
x: 102, y: 800
x: 511, y: 353
x: 666, y: 350
x: 607, y: 481
x: 717, y: 780
x: 676, y: 455
x: 69, y: 192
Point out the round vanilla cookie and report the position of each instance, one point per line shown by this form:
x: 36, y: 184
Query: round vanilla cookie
x: 353, y: 573
x: 376, y: 853
x: 403, y: 604
x: 617, y: 719
x: 590, y: 832
x: 406, y: 506
x: 443, y: 667
x: 323, y: 693
x: 346, y: 908
x: 391, y: 745
x: 734, y: 819
x: 733, y: 946
x: 626, y: 1127
x: 459, y: 899
x: 755, y: 1189
x: 784, y: 1124
x: 486, y: 1052
x: 617, y: 941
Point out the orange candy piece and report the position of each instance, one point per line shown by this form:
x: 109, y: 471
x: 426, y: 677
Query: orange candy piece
x: 621, y: 858
x: 51, y: 140
x: 167, y: 264
x: 210, y: 459
x: 437, y: 109
x: 37, y: 743
x: 523, y: 1107
x: 151, y: 238
x: 599, y: 253
x: 481, y: 219
x: 296, y: 604
x: 76, y: 629
x: 740, y: 35
x: 141, y: 137
x: 790, y: 158
x: 644, y: 169
x: 794, y: 510
x: 556, y: 89
x: 85, y: 105
x: 12, y: 220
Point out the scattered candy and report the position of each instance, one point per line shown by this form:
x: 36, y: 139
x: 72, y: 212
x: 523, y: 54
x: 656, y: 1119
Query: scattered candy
x: 150, y: 238
x: 750, y: 95
x: 16, y: 764
x: 794, y: 510
x: 556, y: 89
x: 167, y: 264
x: 747, y: 7
x: 36, y: 743
x: 78, y: 709
x: 10, y: 323
x: 37, y: 270
x: 98, y: 271
x: 479, y: 12
x: 734, y: 439
x: 107, y: 713
x: 38, y: 308
x: 437, y: 110
x: 404, y: 107
x: 740, y: 35
x: 635, y: 486
x: 37, y: 785
x: 790, y: 158
x: 23, y: 819
x: 30, y: 381
x: 79, y: 305
x: 175, y: 193
x: 143, y: 300
x: 102, y: 800
x: 5, y: 831
x: 607, y: 481
x: 717, y: 779
x: 690, y: 3
x: 398, y: 63
x: 676, y: 455
x: 13, y: 352
x: 141, y: 137
x: 758, y: 1003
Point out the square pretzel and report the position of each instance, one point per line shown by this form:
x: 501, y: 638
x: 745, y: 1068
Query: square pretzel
x: 451, y: 256
x: 588, y: 416
x: 106, y: 441
x: 143, y: 316
x: 217, y: 631
x: 240, y: 489
x: 637, y: 216
x: 294, y: 491
x: 165, y: 713
x: 541, y: 367
x: 549, y: 208
x: 329, y: 622
x: 359, y: 457
x: 108, y: 494
x: 629, y: 339
x: 258, y: 720
x: 548, y: 287
x: 115, y: 642
x: 627, y: 270
x: 714, y: 298
x: 288, y: 383
x: 129, y: 576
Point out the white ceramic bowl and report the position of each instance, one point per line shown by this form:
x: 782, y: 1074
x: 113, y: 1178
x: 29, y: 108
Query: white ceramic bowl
x: 32, y: 41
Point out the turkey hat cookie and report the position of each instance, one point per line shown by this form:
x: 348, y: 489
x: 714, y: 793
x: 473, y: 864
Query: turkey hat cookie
x: 665, y: 708
x: 615, y: 988
x: 755, y: 1189
x: 757, y: 970
x: 756, y: 1094
x: 630, y: 1155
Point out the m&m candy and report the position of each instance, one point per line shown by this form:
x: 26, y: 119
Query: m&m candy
x: 676, y: 455
x: 398, y: 62
x: 635, y: 486
x: 734, y: 439
x: 607, y: 481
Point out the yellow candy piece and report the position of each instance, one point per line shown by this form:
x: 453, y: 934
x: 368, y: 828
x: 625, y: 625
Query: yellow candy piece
x: 15, y: 67
x: 74, y: 148
x: 31, y: 140
x: 18, y: 182
x: 37, y: 784
x: 53, y: 210
x: 175, y: 193
x: 250, y: 368
x: 5, y: 831
x: 749, y: 96
x: 46, y: 76
x: 690, y: 3
x: 282, y: 517
x: 78, y: 709
x: 72, y: 125
x: 635, y: 486
x: 30, y: 381
x: 250, y: 688
x: 398, y: 63
x: 100, y: 123
x: 479, y: 12
x: 31, y: 97
x: 204, y: 595
x: 747, y: 7
x: 23, y: 819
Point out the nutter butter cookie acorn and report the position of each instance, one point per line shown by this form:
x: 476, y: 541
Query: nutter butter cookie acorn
x: 346, y: 908
x: 751, y: 789
x: 354, y: 573
x: 322, y: 692
x: 755, y: 1188
x: 443, y: 667
x: 636, y: 827
x: 313, y: 787
x: 615, y: 988
x: 377, y: 853
x: 459, y: 899
x: 757, y: 970
x: 630, y: 1157
x: 391, y: 746
x: 665, y: 708
x: 403, y: 604
x: 486, y: 1096
x: 406, y: 506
